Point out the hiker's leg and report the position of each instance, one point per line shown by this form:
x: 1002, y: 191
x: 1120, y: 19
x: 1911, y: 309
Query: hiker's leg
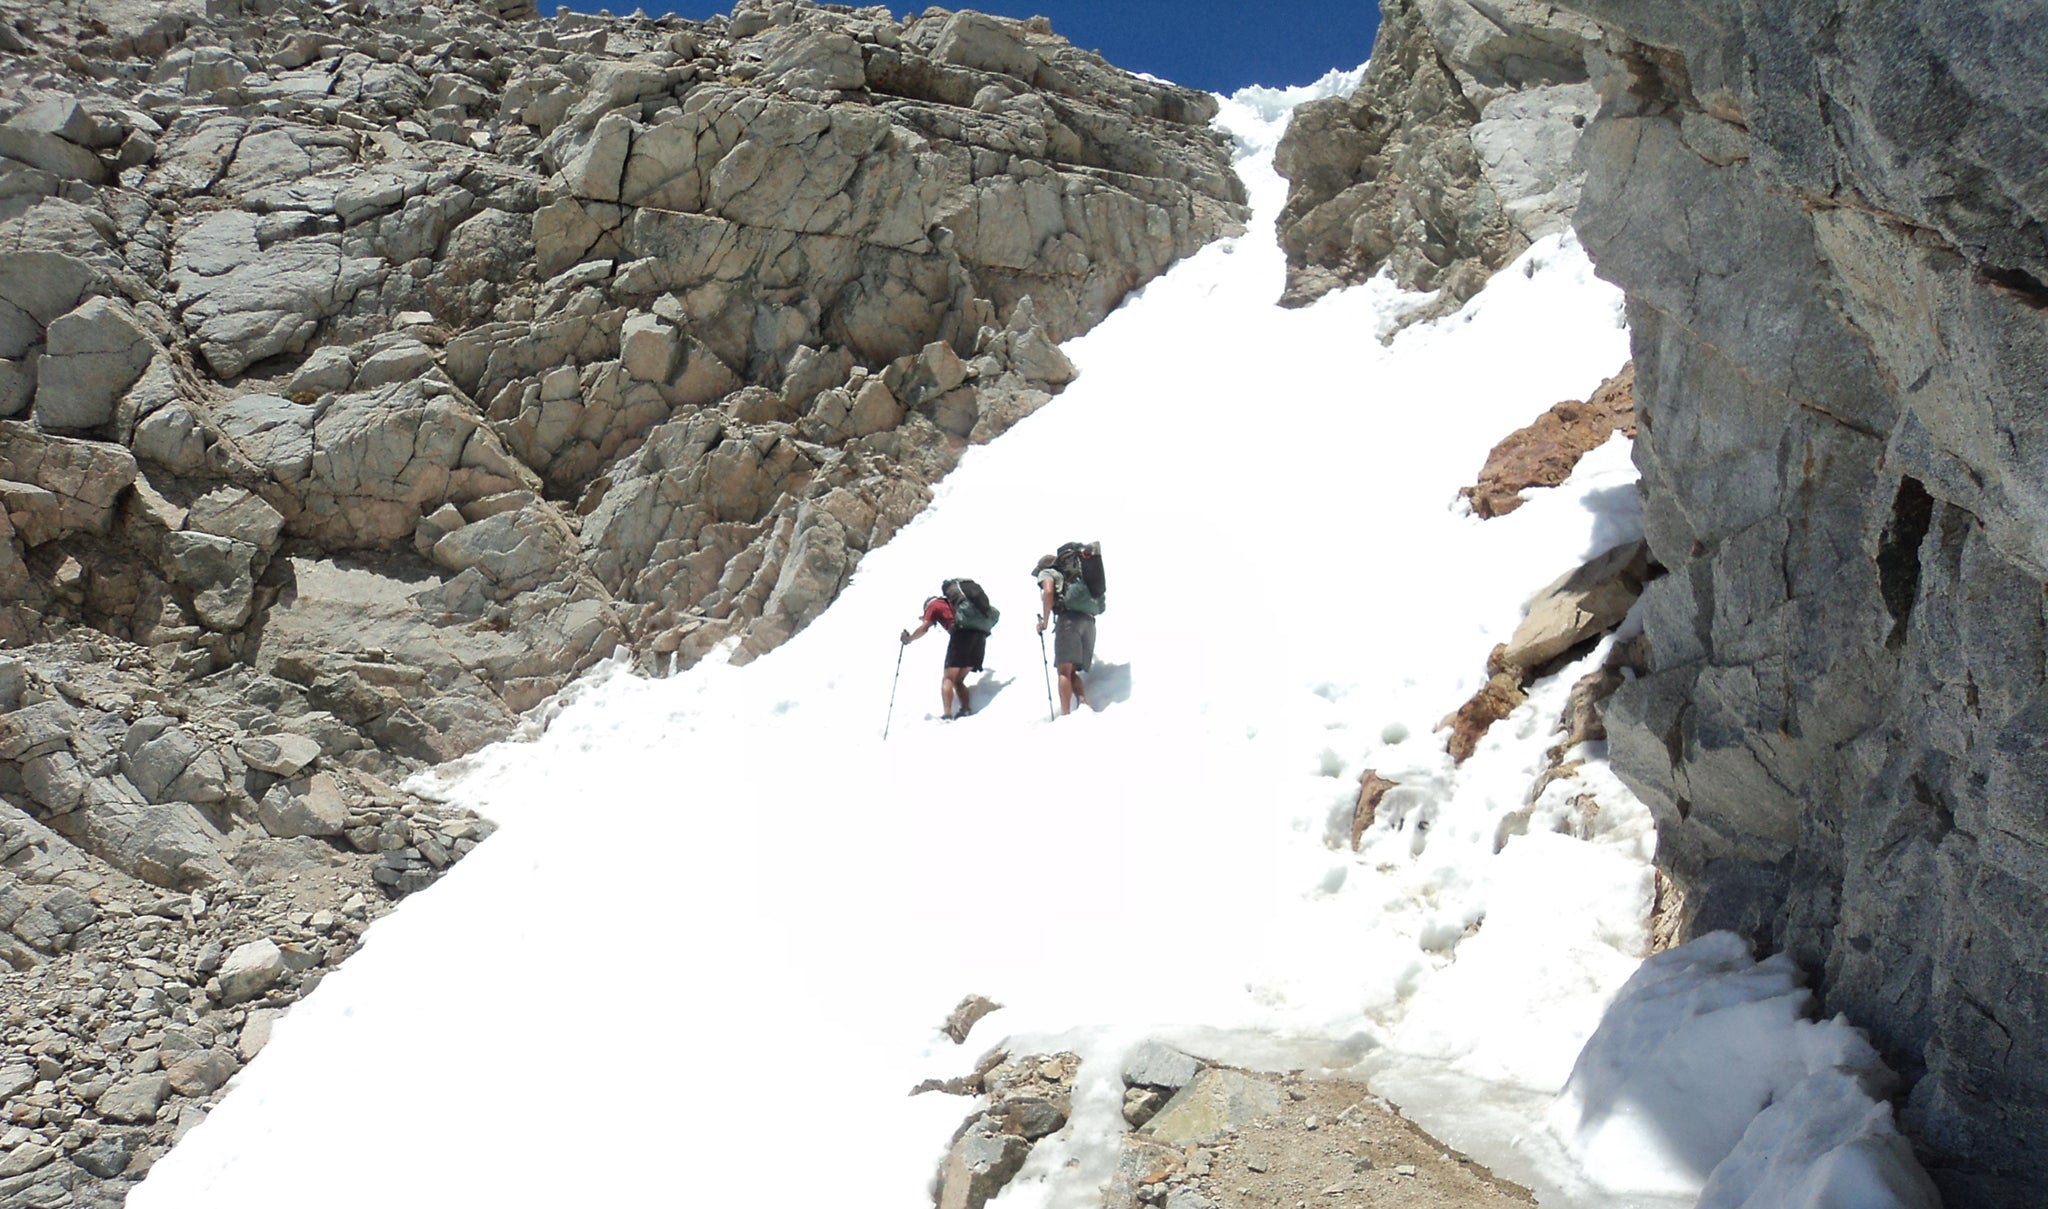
x: 1066, y: 688
x: 1080, y: 689
x: 946, y: 693
x: 956, y: 691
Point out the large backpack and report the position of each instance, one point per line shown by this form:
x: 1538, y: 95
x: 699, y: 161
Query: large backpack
x: 1083, y: 589
x: 971, y: 608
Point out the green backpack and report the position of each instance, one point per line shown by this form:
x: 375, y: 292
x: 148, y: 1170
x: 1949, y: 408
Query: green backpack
x: 971, y: 609
x: 1082, y: 588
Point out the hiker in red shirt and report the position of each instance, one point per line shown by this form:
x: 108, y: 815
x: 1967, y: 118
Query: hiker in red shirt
x: 964, y: 651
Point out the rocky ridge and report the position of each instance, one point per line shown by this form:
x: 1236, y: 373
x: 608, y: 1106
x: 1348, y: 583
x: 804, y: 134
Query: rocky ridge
x: 368, y: 372
x: 1456, y: 151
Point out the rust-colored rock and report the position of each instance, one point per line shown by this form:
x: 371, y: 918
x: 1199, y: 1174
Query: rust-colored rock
x: 1489, y: 705
x: 1371, y: 788
x: 1543, y: 453
x: 966, y: 1016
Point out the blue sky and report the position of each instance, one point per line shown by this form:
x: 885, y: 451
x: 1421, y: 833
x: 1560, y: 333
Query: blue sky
x: 1220, y: 45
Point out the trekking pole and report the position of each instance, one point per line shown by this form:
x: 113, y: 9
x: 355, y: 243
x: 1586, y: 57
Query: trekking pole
x: 892, y: 691
x: 1051, y: 714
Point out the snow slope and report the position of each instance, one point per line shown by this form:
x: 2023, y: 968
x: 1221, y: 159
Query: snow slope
x: 706, y: 954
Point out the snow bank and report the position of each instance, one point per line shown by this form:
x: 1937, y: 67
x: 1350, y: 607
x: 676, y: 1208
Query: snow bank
x: 1707, y: 1073
x: 718, y: 897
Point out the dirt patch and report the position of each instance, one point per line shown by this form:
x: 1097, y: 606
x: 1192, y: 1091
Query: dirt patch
x: 1332, y: 1143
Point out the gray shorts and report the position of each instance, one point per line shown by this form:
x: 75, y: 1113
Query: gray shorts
x: 1073, y: 639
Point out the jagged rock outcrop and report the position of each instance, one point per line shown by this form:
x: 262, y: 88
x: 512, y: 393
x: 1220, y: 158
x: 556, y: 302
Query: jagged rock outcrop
x: 1830, y: 225
x: 1454, y: 154
x: 421, y: 358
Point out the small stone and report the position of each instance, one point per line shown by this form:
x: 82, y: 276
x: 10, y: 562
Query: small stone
x: 1405, y: 1169
x: 202, y: 1073
x: 256, y: 1033
x: 1310, y: 1124
x: 188, y: 1117
x: 1256, y: 1165
x: 105, y: 1158
x: 249, y: 971
x: 134, y: 1101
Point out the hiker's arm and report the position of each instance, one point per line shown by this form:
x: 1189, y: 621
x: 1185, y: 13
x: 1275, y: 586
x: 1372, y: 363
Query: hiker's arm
x: 910, y: 636
x: 1044, y: 603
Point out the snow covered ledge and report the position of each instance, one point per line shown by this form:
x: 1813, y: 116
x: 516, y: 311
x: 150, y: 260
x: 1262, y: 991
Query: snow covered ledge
x: 1709, y: 1074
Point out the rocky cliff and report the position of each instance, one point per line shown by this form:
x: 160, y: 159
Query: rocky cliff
x: 1829, y: 222
x: 369, y: 370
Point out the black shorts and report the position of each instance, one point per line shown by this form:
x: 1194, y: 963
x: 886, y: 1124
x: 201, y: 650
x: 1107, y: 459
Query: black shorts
x: 965, y: 648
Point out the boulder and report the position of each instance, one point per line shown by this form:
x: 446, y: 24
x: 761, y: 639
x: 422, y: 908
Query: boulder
x: 36, y: 730
x: 106, y: 1157
x: 324, y: 371
x: 314, y: 808
x: 244, y: 302
x: 1578, y: 607
x: 275, y: 434
x: 972, y: 39
x: 982, y: 1161
x: 201, y: 1072
x: 1154, y: 1064
x: 59, y: 157
x: 256, y: 1032
x: 284, y: 755
x: 249, y: 971
x: 1215, y: 1103
x: 92, y: 355
x: 399, y: 363
x: 819, y: 60
x: 135, y: 1100
x: 168, y: 844
x: 55, y: 487
x: 220, y: 574
x: 238, y: 515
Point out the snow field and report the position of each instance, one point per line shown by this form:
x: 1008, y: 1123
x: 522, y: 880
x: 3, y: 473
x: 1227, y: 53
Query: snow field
x: 707, y: 953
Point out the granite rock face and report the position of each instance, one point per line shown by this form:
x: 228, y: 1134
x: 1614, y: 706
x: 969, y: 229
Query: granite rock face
x: 369, y: 370
x: 422, y: 358
x: 1830, y: 225
x: 1456, y: 151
